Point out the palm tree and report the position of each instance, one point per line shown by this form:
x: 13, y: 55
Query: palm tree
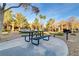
x: 49, y: 25
x: 36, y: 24
x: 41, y: 19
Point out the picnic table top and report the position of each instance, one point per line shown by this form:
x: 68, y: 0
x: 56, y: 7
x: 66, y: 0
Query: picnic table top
x: 28, y: 31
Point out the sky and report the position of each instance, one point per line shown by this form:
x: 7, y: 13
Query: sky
x: 58, y: 11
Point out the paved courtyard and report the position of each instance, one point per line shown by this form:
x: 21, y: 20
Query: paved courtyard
x: 18, y: 47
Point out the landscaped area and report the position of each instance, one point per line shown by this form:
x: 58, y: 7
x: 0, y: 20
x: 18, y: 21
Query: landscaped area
x: 32, y: 30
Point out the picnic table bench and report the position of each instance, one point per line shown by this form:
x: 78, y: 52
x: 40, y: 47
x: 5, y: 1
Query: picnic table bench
x: 46, y: 38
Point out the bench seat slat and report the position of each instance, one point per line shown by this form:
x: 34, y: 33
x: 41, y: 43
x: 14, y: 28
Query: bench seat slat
x: 40, y: 37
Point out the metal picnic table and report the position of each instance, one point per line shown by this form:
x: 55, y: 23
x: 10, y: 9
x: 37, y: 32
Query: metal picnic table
x: 31, y: 34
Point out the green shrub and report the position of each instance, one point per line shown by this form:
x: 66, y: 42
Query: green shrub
x: 73, y: 34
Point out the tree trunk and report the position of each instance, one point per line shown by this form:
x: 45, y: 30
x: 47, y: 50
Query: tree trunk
x: 59, y: 29
x: 12, y: 26
x: 1, y: 20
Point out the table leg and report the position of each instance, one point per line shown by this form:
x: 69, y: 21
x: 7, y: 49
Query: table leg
x: 27, y: 40
x: 40, y: 33
x: 32, y: 35
x: 36, y: 35
x: 35, y: 43
x: 29, y: 36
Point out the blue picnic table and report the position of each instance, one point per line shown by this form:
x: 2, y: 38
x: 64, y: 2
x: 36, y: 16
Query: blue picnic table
x: 39, y: 35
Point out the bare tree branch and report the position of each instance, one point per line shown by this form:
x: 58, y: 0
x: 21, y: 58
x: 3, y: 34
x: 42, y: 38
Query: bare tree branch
x: 35, y: 9
x: 13, y: 7
x: 25, y: 5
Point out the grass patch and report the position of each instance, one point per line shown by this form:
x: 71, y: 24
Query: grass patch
x: 58, y: 33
